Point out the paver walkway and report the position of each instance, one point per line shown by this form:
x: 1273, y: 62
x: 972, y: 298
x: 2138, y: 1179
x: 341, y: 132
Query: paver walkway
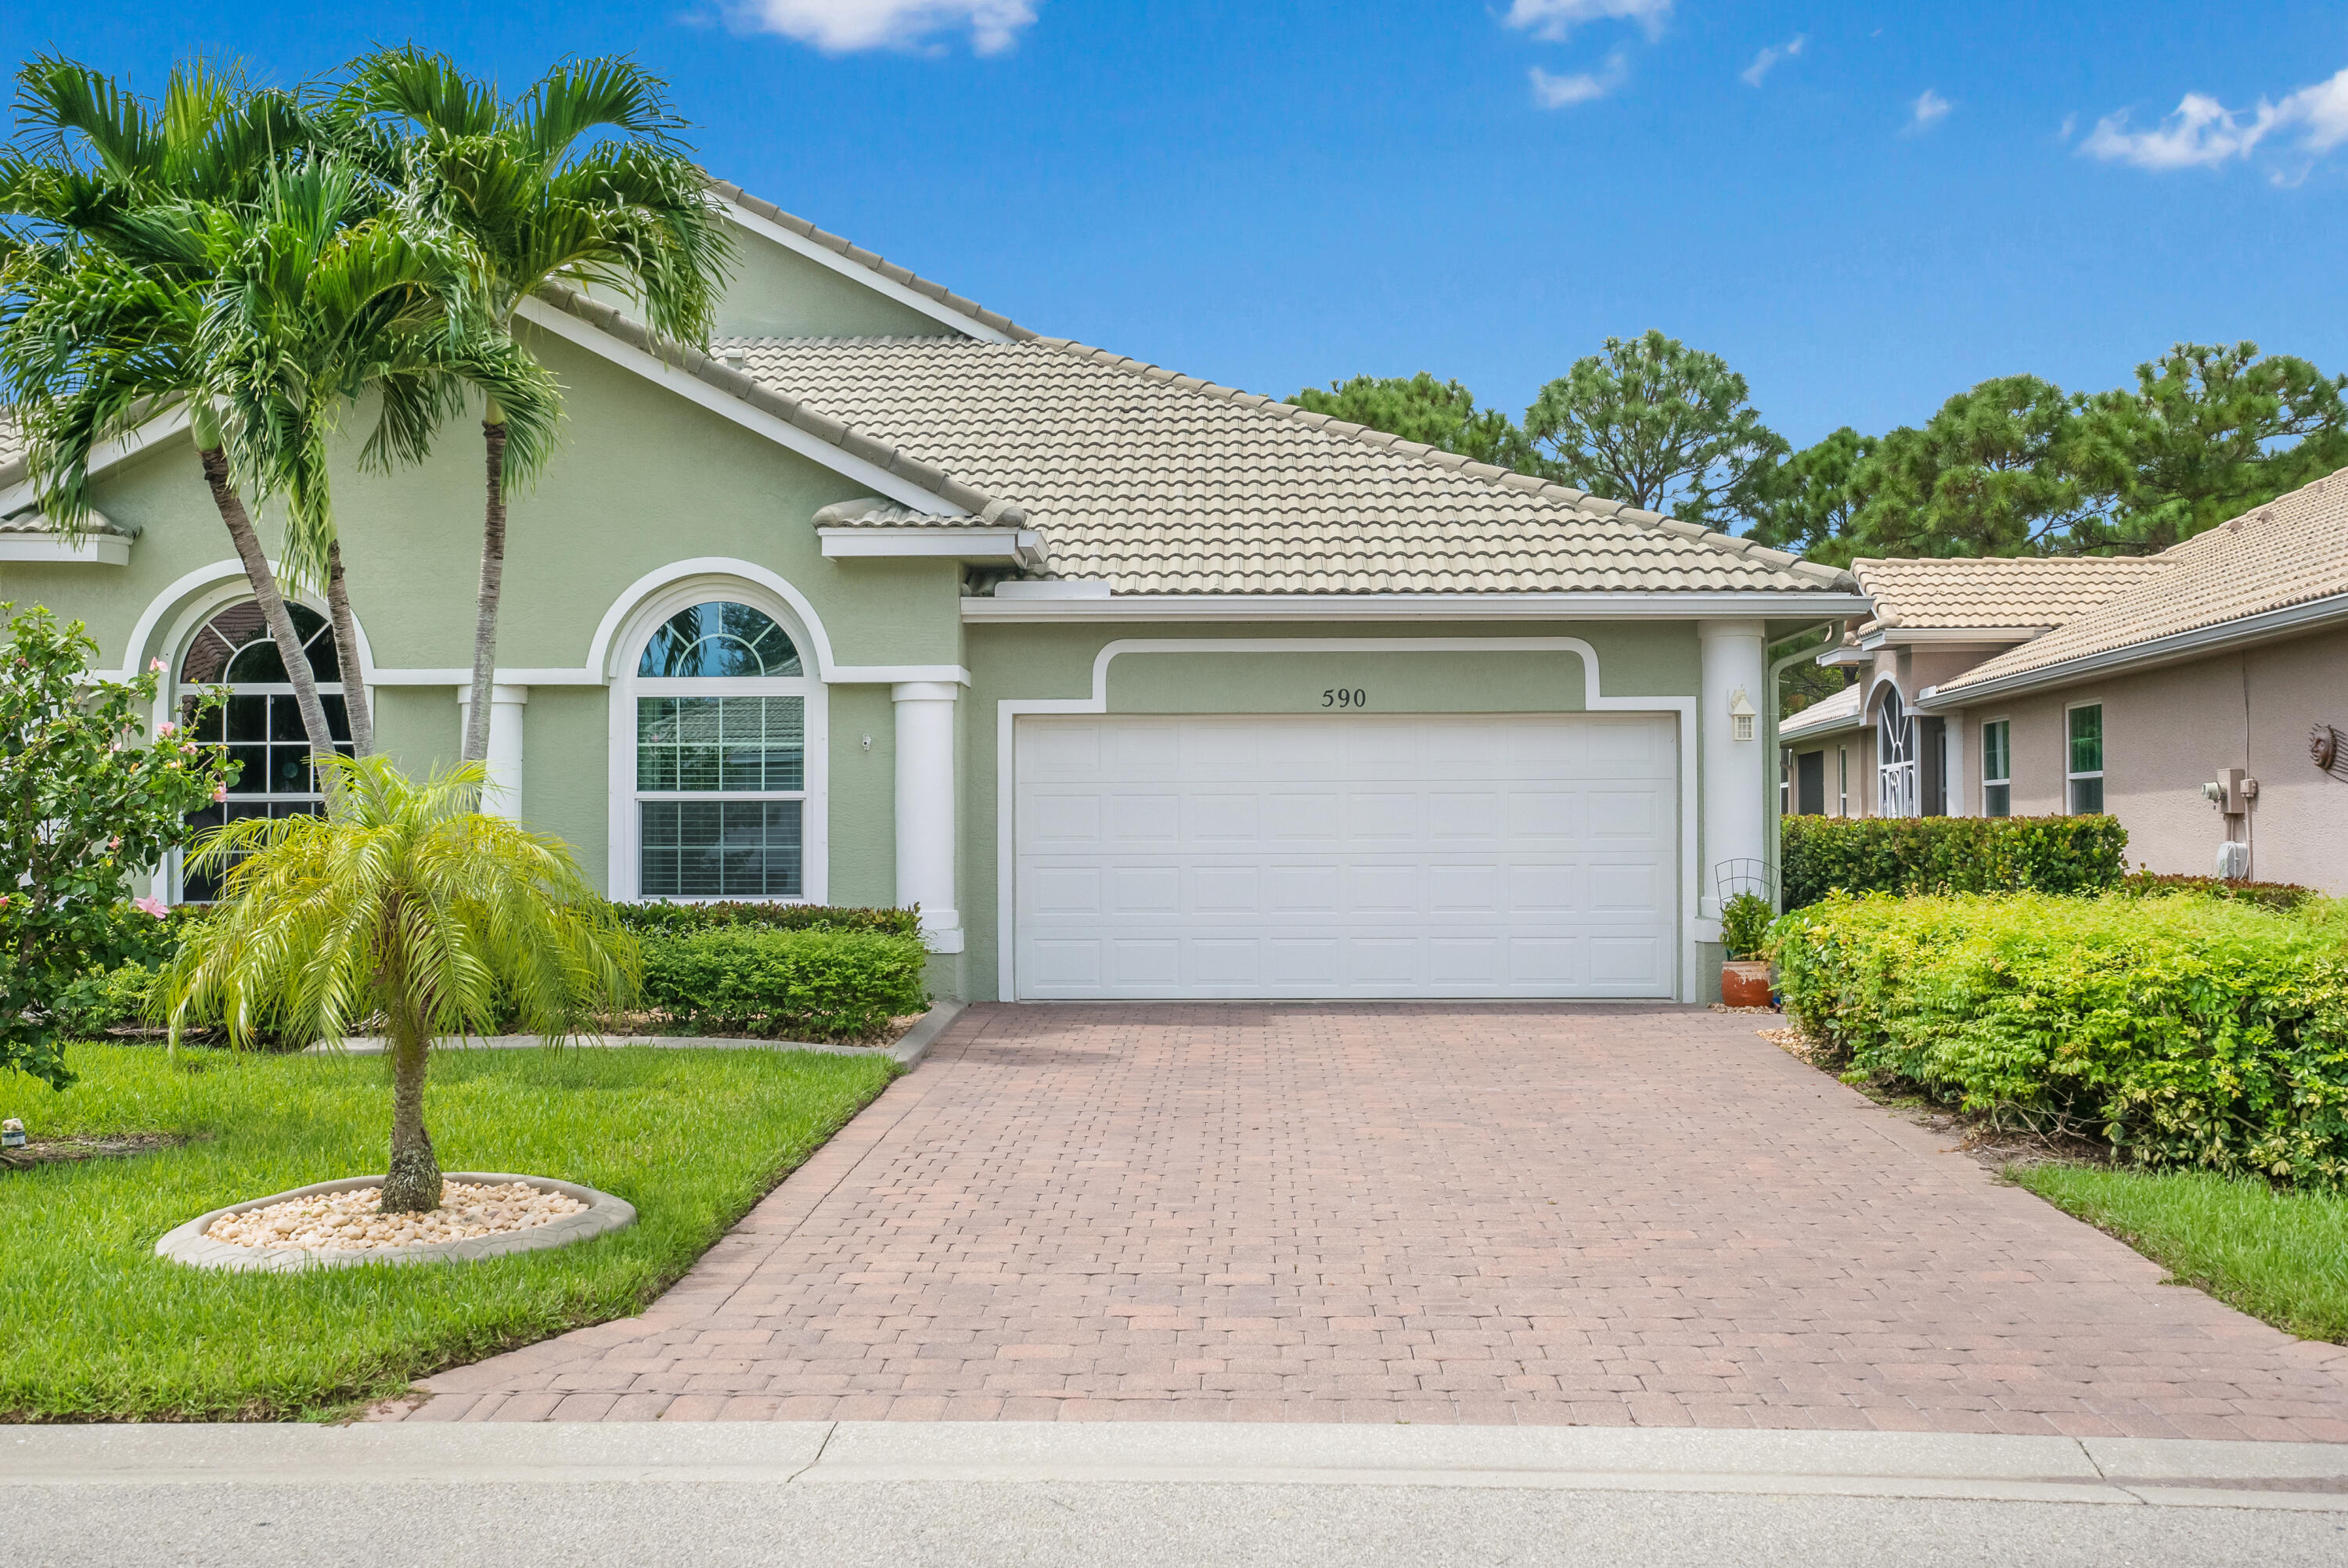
x: 1412, y: 1212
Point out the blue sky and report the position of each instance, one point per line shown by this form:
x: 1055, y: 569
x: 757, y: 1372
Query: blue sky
x: 1863, y: 207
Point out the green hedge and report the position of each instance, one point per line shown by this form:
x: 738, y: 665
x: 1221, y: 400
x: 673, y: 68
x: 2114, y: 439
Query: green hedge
x: 647, y: 919
x: 820, y: 984
x: 1820, y: 854
x: 2182, y: 1031
x: 2282, y: 897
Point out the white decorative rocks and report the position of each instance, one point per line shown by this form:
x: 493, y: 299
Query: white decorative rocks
x: 191, y: 1243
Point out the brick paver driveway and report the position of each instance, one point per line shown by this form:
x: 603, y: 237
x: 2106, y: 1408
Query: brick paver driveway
x: 1424, y: 1213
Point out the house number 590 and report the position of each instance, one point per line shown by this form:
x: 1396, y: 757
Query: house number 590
x: 1344, y: 697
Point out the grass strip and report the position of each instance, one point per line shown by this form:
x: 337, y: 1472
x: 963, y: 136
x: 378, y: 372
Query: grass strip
x: 94, y: 1327
x: 2279, y: 1255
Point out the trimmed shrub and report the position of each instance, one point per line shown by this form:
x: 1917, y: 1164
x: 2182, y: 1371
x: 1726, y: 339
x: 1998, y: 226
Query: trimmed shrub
x: 827, y: 984
x: 2183, y: 1032
x: 1820, y: 854
x: 649, y: 919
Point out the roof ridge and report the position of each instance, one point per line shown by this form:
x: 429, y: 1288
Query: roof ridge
x: 1531, y: 484
x: 791, y: 410
x: 904, y: 277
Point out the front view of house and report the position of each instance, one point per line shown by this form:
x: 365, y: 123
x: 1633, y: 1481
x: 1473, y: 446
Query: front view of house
x: 1140, y: 687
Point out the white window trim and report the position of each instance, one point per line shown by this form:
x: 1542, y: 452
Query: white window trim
x: 1984, y: 782
x: 624, y: 863
x: 2103, y: 740
x: 171, y: 873
x: 1842, y: 781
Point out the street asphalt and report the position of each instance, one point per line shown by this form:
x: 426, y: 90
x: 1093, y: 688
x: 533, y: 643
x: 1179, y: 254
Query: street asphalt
x: 1039, y: 1495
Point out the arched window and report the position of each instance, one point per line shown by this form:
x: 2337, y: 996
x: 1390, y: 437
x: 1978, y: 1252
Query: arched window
x: 1895, y: 758
x: 259, y: 724
x: 721, y: 763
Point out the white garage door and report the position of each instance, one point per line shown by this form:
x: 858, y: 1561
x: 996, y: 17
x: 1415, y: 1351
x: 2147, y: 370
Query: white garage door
x: 1346, y: 855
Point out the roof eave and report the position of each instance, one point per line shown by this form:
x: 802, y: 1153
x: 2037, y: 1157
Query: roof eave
x: 1597, y: 604
x: 2267, y: 626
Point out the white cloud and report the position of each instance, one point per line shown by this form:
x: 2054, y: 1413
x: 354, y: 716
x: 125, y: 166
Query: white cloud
x: 1762, y: 62
x: 1560, y: 92
x: 1555, y: 18
x: 845, y: 26
x: 2202, y: 133
x: 2323, y: 109
x: 1929, y: 110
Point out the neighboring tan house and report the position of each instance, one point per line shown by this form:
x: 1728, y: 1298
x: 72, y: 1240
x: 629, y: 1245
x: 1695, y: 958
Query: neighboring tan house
x: 1138, y: 685
x: 2199, y: 696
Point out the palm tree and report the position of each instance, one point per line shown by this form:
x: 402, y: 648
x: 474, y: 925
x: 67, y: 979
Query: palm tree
x: 403, y: 902
x: 320, y: 296
x: 99, y: 309
x: 580, y: 180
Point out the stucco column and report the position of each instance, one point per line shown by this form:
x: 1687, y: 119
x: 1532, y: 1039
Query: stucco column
x: 1735, y: 772
x: 502, y: 795
x: 926, y: 808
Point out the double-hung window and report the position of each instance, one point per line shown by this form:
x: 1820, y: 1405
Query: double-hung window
x: 1997, y: 768
x: 2084, y: 759
x: 1842, y: 781
x: 721, y: 791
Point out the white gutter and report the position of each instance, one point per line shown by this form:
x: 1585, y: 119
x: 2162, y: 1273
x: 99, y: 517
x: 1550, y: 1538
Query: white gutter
x: 1022, y: 546
x: 1943, y: 636
x: 1602, y: 605
x: 2265, y: 626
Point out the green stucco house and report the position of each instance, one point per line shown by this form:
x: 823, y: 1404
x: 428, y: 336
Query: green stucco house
x: 1140, y: 686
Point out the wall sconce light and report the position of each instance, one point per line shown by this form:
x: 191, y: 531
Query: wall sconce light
x: 1741, y: 715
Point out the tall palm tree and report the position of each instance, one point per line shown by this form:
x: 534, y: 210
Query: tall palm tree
x: 99, y: 310
x: 403, y: 902
x: 321, y: 295
x: 581, y: 180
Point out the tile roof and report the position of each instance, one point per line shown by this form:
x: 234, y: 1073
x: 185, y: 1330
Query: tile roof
x: 12, y: 436
x: 36, y: 522
x: 2029, y: 592
x: 1163, y: 484
x: 1826, y: 714
x: 2290, y: 551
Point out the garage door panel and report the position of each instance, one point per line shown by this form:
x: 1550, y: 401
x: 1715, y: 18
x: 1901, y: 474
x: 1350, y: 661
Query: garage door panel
x: 1368, y: 855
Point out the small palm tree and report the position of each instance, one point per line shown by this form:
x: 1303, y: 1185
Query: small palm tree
x: 582, y: 180
x: 404, y: 902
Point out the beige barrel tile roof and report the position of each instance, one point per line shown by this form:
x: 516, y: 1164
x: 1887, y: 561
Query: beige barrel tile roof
x: 1826, y: 714
x: 2291, y: 551
x: 2025, y: 592
x: 12, y: 437
x: 1162, y: 484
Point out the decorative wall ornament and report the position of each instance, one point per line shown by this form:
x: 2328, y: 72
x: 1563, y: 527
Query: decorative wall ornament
x: 2324, y: 745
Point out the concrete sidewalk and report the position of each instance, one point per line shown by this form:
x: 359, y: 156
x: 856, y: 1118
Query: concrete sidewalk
x: 1020, y: 1493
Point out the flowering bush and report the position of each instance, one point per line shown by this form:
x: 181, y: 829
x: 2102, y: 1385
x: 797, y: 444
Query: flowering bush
x: 83, y: 803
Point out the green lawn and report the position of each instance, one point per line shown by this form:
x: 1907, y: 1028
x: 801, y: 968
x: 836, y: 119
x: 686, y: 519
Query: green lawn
x: 2278, y: 1256
x: 93, y: 1326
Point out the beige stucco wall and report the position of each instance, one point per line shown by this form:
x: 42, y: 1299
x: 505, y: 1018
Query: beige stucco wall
x: 2166, y: 732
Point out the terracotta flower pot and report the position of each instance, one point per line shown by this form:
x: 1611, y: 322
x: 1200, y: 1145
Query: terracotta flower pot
x: 1744, y: 983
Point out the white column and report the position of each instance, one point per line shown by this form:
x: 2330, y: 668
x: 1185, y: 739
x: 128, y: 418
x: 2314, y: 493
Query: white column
x: 1735, y: 774
x: 925, y: 807
x: 502, y: 795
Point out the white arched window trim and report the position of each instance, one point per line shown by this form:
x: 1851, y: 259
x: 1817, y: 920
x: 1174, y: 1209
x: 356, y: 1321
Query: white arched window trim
x: 189, y: 603
x: 627, y: 646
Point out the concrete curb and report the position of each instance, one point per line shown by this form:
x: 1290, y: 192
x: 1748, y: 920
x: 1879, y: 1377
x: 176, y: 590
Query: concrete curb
x: 909, y: 1048
x: 187, y: 1244
x: 2120, y: 1471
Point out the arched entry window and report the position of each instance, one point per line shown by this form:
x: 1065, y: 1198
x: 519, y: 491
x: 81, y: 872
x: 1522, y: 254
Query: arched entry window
x: 1895, y: 757
x: 260, y: 726
x: 721, y: 763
